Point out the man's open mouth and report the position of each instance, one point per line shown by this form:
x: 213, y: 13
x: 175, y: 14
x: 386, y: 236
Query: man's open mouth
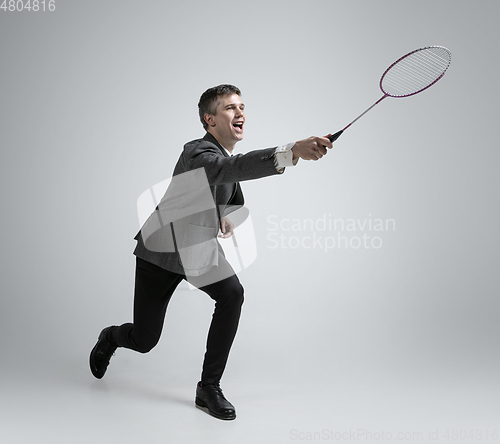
x: 238, y: 126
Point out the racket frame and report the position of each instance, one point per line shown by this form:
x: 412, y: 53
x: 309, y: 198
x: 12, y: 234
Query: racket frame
x: 335, y: 136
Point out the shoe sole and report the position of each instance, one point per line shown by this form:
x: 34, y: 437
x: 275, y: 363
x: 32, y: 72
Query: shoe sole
x: 204, y: 407
x: 92, y: 369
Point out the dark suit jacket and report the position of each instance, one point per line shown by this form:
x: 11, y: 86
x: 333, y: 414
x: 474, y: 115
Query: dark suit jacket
x: 181, y: 234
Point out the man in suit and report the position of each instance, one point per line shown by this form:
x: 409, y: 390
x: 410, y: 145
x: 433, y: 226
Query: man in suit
x: 179, y: 240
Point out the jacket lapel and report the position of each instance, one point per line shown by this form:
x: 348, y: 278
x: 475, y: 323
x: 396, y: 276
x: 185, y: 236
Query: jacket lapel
x: 236, y: 193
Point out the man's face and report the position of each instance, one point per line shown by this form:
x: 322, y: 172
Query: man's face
x: 228, y: 121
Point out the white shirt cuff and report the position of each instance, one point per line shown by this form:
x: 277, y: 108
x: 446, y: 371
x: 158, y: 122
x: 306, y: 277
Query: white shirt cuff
x: 283, y: 156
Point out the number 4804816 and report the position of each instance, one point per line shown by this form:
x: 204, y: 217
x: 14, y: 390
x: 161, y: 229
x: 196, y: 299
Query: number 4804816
x: 28, y: 5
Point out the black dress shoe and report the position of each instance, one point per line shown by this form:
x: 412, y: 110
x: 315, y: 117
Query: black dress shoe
x: 210, y: 399
x: 101, y: 354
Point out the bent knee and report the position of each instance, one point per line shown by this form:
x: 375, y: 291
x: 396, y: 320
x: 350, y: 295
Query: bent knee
x: 145, y: 345
x: 145, y: 348
x: 236, y: 294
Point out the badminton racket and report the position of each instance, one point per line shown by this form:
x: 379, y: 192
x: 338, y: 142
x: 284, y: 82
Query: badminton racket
x: 409, y: 75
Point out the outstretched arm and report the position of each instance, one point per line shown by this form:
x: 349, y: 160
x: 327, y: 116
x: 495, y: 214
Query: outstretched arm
x: 252, y: 165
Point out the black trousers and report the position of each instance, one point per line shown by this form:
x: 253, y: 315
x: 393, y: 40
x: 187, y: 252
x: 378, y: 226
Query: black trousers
x: 154, y: 287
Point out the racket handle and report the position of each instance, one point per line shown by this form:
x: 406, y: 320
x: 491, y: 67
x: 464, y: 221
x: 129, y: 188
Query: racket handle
x: 335, y: 136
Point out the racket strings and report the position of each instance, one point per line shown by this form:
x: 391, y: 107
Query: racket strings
x: 415, y: 72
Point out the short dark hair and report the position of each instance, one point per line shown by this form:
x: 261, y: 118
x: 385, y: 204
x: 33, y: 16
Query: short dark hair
x: 209, y: 100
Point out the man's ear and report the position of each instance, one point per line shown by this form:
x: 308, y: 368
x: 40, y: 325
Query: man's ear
x: 209, y: 119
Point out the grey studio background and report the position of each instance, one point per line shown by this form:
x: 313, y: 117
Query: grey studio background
x: 395, y: 340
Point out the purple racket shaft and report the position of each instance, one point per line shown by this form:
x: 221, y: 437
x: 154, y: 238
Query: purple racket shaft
x: 409, y: 75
